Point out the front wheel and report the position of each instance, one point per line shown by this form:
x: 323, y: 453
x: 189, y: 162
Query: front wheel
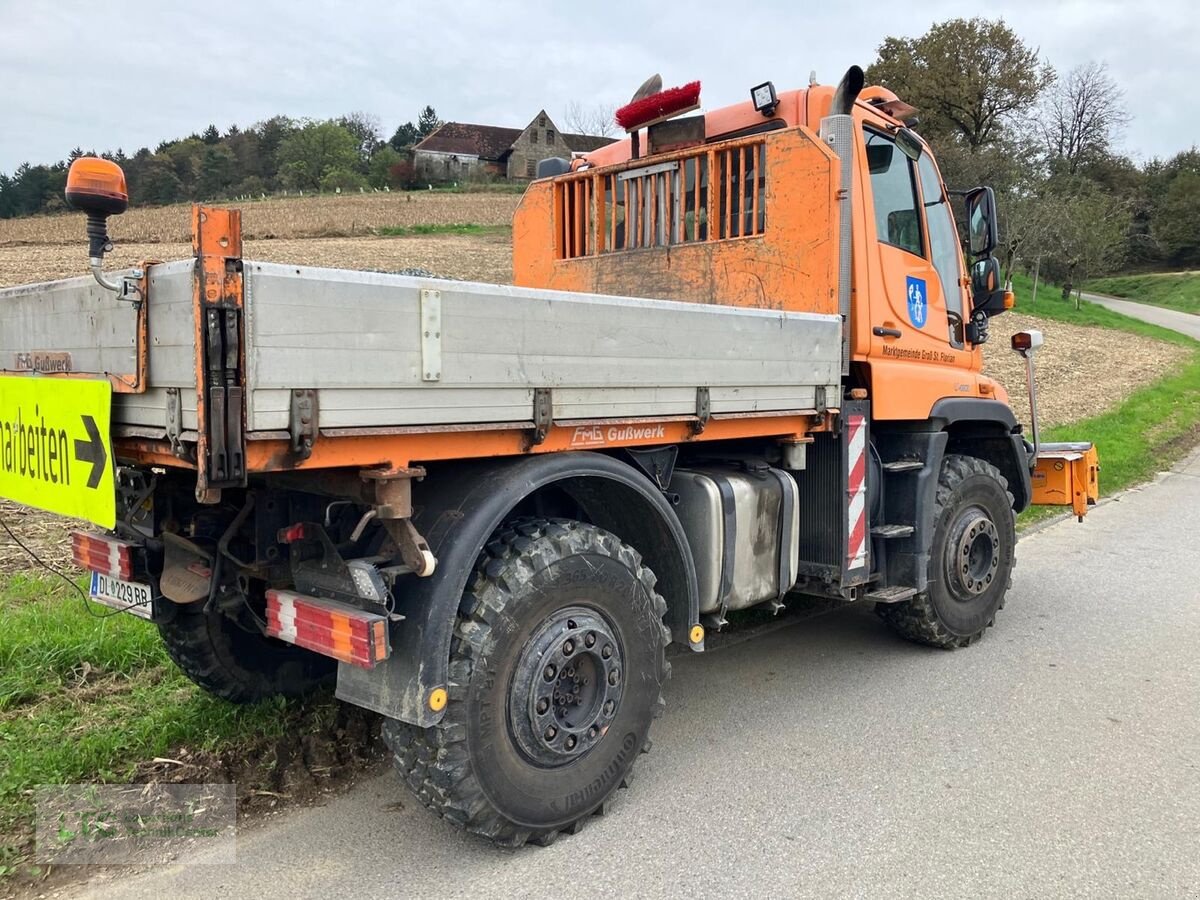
x: 970, y: 559
x: 556, y: 671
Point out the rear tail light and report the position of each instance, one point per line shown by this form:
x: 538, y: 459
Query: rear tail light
x: 345, y: 632
x: 106, y: 555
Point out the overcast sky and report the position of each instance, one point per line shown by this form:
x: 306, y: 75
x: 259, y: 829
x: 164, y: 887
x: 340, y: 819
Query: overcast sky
x: 103, y: 75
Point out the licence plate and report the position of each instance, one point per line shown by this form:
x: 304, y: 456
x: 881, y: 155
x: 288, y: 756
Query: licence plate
x: 129, y: 596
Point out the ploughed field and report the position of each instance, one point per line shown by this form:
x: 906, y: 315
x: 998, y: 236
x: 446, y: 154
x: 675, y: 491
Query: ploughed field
x: 1082, y: 371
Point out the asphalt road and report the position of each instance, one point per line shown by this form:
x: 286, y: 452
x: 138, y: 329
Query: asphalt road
x: 1060, y: 756
x: 1168, y: 318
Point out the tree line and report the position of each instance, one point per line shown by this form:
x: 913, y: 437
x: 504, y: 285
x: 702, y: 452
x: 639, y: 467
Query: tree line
x: 342, y: 154
x: 1072, y: 205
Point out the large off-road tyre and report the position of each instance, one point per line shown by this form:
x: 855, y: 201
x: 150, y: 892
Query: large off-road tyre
x: 556, y: 672
x: 225, y: 660
x: 970, y: 560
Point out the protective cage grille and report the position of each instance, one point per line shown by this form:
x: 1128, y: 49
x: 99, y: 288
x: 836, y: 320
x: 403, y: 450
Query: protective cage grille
x: 707, y: 194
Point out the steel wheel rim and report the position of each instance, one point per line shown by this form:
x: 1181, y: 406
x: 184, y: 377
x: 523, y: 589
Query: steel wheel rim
x: 567, y: 687
x: 972, y: 555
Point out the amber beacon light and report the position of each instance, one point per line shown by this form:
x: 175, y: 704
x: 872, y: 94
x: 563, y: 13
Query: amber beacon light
x: 97, y: 187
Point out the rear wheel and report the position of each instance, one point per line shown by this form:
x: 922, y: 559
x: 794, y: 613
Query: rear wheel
x: 556, y: 671
x: 235, y: 664
x: 970, y: 559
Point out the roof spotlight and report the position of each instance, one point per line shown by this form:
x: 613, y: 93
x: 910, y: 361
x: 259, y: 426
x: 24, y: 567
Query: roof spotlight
x: 765, y: 99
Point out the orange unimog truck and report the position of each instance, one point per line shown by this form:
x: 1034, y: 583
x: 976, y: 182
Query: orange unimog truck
x: 739, y: 367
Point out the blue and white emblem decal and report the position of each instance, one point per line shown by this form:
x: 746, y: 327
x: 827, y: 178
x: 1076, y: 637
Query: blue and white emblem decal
x: 918, y: 306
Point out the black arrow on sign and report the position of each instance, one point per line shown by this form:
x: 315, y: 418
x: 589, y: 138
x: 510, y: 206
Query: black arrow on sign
x: 92, y: 450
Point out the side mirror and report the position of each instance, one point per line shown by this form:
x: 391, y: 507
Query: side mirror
x: 985, y: 277
x: 982, y: 228
x: 987, y: 292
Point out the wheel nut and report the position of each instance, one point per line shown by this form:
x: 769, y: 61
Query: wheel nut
x: 542, y: 706
x: 570, y: 743
x: 607, y: 652
x: 551, y: 733
x: 568, y: 648
x: 613, y: 677
x: 609, y: 707
x: 590, y: 640
x: 549, y: 672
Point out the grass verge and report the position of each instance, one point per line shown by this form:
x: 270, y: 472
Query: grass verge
x: 424, y: 230
x: 1174, y: 290
x: 1152, y: 428
x: 86, y: 699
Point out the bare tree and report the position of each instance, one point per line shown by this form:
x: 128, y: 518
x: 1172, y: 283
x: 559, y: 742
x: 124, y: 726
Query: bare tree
x: 1082, y: 115
x: 596, y: 119
x: 1089, y: 236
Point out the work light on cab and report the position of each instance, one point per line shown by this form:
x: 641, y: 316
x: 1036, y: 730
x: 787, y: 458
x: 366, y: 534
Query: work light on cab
x: 765, y: 99
x: 97, y: 187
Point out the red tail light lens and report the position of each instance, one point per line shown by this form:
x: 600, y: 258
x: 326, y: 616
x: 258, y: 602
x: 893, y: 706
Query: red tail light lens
x: 100, y: 553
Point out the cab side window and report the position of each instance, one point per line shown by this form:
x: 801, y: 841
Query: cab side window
x: 894, y: 191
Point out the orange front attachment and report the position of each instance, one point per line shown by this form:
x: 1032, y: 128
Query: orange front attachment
x: 1067, y: 475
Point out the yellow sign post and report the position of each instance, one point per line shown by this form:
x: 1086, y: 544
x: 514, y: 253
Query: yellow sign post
x: 55, y: 446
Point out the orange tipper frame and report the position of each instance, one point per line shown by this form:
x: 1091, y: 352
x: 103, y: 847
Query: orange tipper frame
x: 1067, y: 476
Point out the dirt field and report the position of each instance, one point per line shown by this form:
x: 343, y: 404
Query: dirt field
x: 1081, y: 371
x: 340, y: 215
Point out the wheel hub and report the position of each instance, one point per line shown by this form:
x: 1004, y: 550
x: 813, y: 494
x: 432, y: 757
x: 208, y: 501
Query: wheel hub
x: 973, y: 555
x: 567, y: 686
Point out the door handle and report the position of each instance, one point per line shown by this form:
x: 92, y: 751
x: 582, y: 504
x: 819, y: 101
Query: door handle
x: 879, y: 331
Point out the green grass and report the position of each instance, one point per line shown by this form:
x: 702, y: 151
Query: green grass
x: 423, y: 230
x: 1152, y: 428
x: 1050, y: 305
x: 86, y: 699
x: 1174, y: 290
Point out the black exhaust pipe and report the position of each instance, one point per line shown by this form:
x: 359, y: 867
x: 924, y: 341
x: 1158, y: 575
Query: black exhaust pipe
x: 847, y: 92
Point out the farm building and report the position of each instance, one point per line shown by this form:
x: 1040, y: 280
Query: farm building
x: 461, y: 151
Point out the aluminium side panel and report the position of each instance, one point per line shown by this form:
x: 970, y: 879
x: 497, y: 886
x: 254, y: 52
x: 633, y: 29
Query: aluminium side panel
x: 76, y: 316
x: 357, y: 338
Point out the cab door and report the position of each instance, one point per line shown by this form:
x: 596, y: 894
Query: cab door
x: 916, y: 354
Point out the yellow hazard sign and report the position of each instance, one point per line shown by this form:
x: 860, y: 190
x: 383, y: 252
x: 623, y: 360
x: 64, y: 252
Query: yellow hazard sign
x: 55, y: 449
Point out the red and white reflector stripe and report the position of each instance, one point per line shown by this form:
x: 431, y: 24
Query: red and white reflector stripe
x: 98, y: 553
x: 856, y: 492
x: 346, y: 633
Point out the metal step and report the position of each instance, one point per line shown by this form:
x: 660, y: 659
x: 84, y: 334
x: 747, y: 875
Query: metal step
x: 892, y: 531
x: 891, y: 594
x: 903, y: 465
